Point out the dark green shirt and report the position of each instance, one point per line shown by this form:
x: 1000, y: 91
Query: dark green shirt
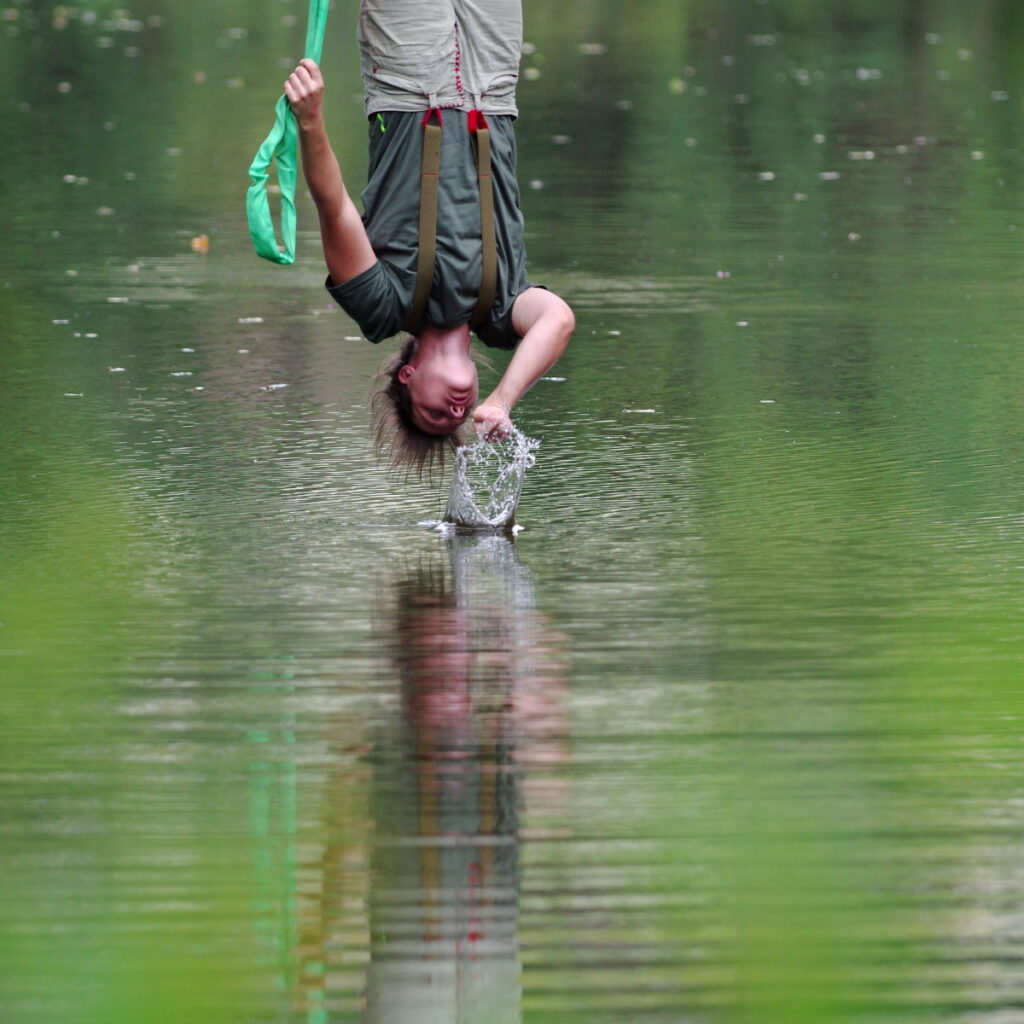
x: 379, y: 299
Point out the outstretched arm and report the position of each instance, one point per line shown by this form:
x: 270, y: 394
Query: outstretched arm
x: 545, y: 322
x: 347, y: 249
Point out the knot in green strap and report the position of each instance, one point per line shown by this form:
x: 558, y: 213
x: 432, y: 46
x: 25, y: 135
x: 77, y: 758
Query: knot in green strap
x: 281, y: 145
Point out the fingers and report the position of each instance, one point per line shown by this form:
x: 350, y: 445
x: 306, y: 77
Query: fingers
x: 493, y: 430
x: 304, y: 81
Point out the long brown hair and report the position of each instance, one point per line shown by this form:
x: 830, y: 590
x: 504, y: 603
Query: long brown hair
x: 395, y: 436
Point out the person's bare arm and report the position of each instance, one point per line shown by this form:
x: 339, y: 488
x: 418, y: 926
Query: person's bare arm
x: 347, y: 248
x: 545, y: 322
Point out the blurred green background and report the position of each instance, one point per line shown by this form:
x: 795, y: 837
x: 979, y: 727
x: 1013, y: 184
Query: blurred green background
x: 740, y: 710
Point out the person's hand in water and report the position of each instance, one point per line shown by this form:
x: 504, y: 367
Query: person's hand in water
x: 305, y: 92
x: 491, y: 420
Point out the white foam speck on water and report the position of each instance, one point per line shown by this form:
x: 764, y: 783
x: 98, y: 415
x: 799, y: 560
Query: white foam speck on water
x: 487, y: 481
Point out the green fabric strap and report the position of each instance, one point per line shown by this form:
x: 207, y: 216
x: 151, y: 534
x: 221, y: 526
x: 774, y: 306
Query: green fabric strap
x: 281, y: 144
x: 430, y: 167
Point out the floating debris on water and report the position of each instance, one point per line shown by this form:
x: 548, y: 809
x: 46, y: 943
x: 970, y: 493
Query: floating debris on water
x: 644, y: 412
x: 200, y: 244
x: 250, y: 320
x: 272, y: 387
x: 487, y: 481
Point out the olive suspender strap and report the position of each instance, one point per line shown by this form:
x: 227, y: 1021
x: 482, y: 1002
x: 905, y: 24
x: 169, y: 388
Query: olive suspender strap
x: 489, y: 249
x: 430, y: 168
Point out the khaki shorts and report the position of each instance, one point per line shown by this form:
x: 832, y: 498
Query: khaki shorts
x: 417, y: 54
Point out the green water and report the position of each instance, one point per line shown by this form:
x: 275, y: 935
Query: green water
x: 730, y: 733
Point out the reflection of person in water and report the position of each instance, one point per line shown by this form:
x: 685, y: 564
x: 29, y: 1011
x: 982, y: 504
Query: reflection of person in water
x: 481, y: 685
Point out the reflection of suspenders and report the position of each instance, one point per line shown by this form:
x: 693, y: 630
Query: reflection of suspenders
x: 430, y: 169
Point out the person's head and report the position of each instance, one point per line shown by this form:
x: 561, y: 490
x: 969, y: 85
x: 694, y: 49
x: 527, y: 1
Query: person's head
x: 423, y: 398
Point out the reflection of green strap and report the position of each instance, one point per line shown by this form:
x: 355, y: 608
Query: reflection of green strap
x: 489, y: 248
x: 282, y: 144
x: 430, y: 168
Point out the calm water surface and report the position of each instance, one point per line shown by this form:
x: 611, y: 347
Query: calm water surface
x: 731, y: 732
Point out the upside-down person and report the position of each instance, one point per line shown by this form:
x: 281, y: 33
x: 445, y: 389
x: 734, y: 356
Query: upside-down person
x: 438, y: 251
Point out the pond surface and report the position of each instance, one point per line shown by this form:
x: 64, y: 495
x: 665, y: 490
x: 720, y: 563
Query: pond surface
x: 732, y: 730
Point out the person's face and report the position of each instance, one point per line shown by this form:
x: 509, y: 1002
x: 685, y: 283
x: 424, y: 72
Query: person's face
x: 443, y: 390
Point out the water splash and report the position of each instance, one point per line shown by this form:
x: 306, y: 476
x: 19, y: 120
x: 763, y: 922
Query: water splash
x: 487, y: 481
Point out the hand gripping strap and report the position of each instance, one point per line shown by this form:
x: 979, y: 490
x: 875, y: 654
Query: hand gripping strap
x: 281, y: 144
x: 430, y: 168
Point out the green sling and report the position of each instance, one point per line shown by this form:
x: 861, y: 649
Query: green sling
x: 281, y: 144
